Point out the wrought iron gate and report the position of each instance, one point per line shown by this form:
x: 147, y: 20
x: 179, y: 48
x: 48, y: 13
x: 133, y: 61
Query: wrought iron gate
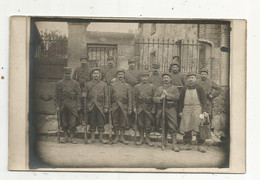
x: 162, y: 51
x: 50, y: 59
x: 98, y: 53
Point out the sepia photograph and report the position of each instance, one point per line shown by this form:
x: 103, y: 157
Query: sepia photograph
x: 111, y: 94
x: 134, y: 94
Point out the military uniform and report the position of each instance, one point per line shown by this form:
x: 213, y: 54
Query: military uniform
x: 67, y: 98
x: 172, y: 97
x: 82, y: 75
x: 121, y: 104
x: 211, y: 89
x: 178, y: 79
x: 132, y: 77
x: 155, y: 78
x: 109, y: 74
x: 97, y: 102
x: 143, y: 103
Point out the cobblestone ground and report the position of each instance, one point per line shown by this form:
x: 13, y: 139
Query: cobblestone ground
x: 119, y: 155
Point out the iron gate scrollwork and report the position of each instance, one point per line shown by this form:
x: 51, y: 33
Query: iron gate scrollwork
x: 162, y: 51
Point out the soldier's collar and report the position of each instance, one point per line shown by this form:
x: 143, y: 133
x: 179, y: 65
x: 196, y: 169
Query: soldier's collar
x: 166, y: 85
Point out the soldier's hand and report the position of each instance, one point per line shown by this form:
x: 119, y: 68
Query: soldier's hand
x: 180, y: 114
x: 163, y: 96
x: 84, y: 94
x: 105, y: 110
x: 113, y: 80
x: 57, y: 108
x: 205, y: 114
x: 153, y: 112
x: 78, y: 108
x: 129, y: 112
x: 135, y: 110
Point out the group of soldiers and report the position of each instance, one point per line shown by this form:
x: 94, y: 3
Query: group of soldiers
x: 168, y: 102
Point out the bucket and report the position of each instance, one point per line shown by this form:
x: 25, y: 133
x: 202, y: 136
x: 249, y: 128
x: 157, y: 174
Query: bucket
x: 205, y: 132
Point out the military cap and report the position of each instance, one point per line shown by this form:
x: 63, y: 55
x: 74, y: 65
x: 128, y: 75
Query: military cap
x: 204, y: 70
x: 110, y: 58
x: 166, y: 74
x: 94, y: 69
x: 120, y: 70
x: 156, y: 65
x: 84, y: 57
x: 176, y: 57
x: 145, y: 73
x: 175, y: 63
x: 191, y: 74
x: 131, y: 60
x: 67, y: 70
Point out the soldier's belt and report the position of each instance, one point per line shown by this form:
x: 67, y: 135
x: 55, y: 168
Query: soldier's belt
x: 191, y: 104
x: 145, y: 100
x: 68, y: 96
x: 168, y: 105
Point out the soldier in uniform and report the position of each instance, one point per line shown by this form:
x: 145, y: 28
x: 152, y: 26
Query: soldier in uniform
x: 143, y: 106
x: 97, y: 104
x: 170, y: 93
x: 155, y: 76
x: 67, y: 101
x: 132, y: 77
x: 109, y: 72
x: 82, y: 75
x: 178, y: 79
x: 211, y: 89
x: 192, y: 103
x: 121, y: 105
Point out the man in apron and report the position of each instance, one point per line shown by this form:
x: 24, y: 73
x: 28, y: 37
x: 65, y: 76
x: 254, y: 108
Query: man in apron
x: 192, y: 104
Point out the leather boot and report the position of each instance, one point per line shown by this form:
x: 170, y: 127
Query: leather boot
x: 186, y: 146
x: 174, y: 143
x: 72, y: 140
x: 122, y: 138
x: 66, y: 137
x: 92, y: 138
x: 103, y: 141
x: 147, y: 140
x: 115, y: 141
x: 141, y: 132
x: 201, y: 148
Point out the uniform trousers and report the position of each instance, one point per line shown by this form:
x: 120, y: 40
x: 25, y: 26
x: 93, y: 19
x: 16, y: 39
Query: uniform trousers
x: 68, y: 120
x: 97, y: 120
x: 119, y: 121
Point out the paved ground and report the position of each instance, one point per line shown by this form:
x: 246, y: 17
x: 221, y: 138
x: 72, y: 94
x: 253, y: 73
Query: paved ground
x: 119, y: 155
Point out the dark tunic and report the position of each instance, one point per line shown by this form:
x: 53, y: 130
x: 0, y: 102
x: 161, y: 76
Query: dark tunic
x: 132, y: 77
x: 97, y: 95
x: 155, y: 79
x: 121, y: 98
x: 178, y: 79
x: 143, y: 98
x: 170, y: 108
x: 82, y: 75
x: 108, y: 74
x: 67, y: 98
